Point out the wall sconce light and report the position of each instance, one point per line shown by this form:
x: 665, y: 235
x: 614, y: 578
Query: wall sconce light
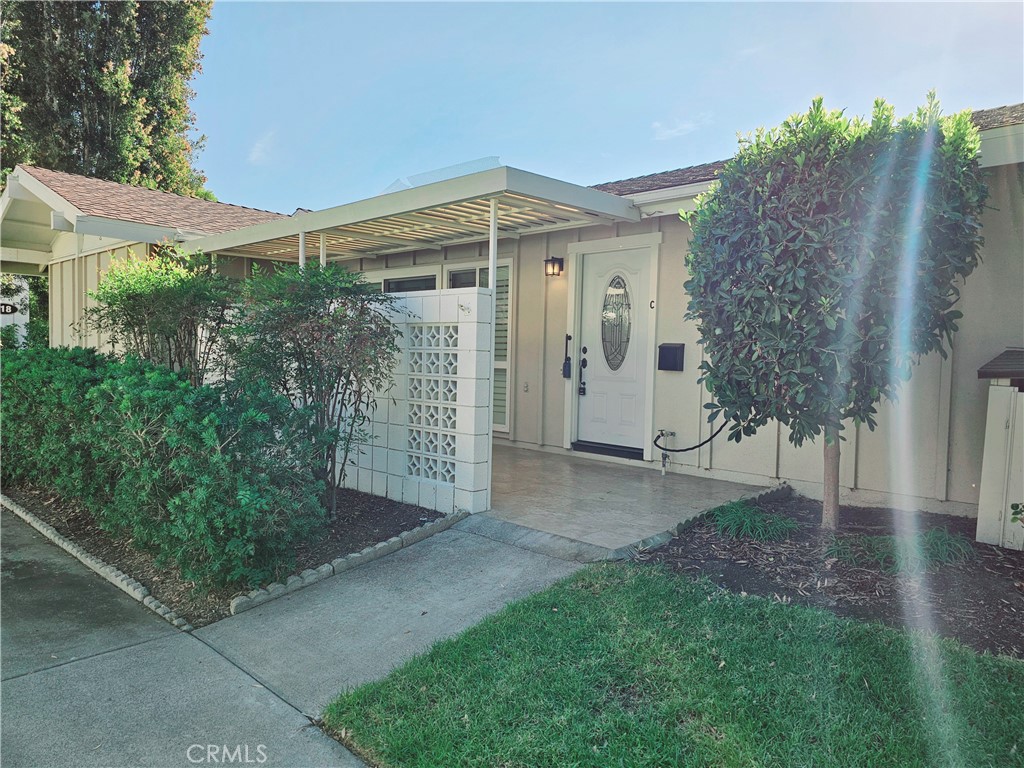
x: 553, y: 266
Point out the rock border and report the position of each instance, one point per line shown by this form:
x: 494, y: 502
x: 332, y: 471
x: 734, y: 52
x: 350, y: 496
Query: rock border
x: 118, y: 578
x: 339, y: 565
x: 781, y: 491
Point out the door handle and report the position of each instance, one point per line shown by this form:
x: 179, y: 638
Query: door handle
x: 583, y: 367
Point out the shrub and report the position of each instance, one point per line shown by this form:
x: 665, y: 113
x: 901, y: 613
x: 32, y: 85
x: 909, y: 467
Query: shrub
x: 741, y: 520
x: 170, y: 309
x: 322, y: 337
x: 42, y: 408
x: 216, y: 480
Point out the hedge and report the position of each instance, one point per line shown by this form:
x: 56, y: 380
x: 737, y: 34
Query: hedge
x: 216, y: 479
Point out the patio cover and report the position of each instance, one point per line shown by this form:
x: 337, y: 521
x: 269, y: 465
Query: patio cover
x: 432, y: 216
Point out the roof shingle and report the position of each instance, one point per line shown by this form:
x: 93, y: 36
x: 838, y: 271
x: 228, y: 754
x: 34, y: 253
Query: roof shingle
x: 111, y: 200
x: 985, y: 119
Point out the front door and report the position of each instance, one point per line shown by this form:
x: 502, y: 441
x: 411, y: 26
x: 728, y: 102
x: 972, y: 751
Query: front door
x: 615, y: 321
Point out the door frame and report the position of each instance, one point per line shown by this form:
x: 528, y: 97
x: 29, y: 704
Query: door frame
x: 575, y: 260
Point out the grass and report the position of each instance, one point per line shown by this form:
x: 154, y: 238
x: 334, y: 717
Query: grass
x: 635, y: 666
x: 907, y: 555
x: 739, y: 519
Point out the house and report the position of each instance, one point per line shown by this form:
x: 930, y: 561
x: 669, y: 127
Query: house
x: 591, y: 353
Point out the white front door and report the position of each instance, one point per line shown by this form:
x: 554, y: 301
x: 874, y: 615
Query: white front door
x: 615, y: 320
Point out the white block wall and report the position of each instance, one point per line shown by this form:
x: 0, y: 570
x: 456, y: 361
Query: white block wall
x: 431, y: 433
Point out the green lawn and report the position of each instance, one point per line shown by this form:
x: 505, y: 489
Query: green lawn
x: 633, y: 666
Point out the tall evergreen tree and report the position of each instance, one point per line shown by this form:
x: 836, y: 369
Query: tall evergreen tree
x: 102, y: 89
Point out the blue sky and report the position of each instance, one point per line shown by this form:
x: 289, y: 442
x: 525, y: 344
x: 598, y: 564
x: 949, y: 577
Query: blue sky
x: 318, y: 104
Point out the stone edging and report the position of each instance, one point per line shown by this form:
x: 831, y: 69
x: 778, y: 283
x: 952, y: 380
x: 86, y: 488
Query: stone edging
x: 339, y: 565
x: 118, y: 578
x: 781, y: 491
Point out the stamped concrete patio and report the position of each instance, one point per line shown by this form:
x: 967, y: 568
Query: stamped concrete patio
x: 608, y: 509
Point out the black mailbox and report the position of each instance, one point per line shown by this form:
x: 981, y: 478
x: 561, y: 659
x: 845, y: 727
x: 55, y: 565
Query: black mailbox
x: 670, y: 357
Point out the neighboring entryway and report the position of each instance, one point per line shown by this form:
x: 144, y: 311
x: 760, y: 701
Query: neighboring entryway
x: 615, y: 323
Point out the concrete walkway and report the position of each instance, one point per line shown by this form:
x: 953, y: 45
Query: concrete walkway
x: 90, y: 677
x: 361, y: 624
x: 606, y: 509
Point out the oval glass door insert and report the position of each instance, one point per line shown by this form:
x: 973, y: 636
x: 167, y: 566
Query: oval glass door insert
x: 616, y: 321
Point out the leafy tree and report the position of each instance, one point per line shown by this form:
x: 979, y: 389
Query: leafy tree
x: 321, y: 337
x: 12, y: 136
x: 826, y: 261
x: 102, y: 89
x: 171, y: 309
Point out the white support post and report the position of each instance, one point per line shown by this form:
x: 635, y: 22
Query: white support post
x: 323, y: 250
x: 492, y: 283
x: 302, y: 249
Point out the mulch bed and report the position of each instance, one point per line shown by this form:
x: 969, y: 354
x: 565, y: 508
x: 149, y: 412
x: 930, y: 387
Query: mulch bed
x: 980, y: 601
x: 362, y: 520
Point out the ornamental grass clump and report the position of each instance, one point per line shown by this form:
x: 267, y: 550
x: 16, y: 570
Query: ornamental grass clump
x: 742, y: 520
x: 912, y: 553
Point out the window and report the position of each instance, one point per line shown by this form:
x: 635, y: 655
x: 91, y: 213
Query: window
x: 462, y: 278
x: 471, y: 278
x: 616, y: 322
x: 410, y: 284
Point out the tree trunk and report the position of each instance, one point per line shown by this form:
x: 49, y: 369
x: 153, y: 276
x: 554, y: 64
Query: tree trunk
x: 830, y: 491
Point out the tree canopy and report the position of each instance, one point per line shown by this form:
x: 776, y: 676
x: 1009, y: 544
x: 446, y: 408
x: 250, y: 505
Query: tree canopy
x: 102, y: 89
x: 827, y: 260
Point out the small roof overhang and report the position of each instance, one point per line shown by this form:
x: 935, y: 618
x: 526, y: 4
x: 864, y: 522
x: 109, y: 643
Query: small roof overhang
x: 432, y: 216
x: 1008, y: 364
x: 33, y: 216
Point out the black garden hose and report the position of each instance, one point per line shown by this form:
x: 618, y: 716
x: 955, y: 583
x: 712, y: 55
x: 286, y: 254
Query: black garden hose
x: 692, y: 447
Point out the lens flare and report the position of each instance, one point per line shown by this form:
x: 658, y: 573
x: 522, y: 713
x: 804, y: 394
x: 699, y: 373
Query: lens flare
x: 928, y: 673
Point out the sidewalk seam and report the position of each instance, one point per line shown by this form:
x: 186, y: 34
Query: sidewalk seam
x: 526, y: 549
x: 85, y: 658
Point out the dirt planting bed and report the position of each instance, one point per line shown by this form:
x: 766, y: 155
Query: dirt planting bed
x: 979, y: 601
x: 363, y: 520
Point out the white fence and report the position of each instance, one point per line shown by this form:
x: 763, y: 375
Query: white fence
x: 431, y: 434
